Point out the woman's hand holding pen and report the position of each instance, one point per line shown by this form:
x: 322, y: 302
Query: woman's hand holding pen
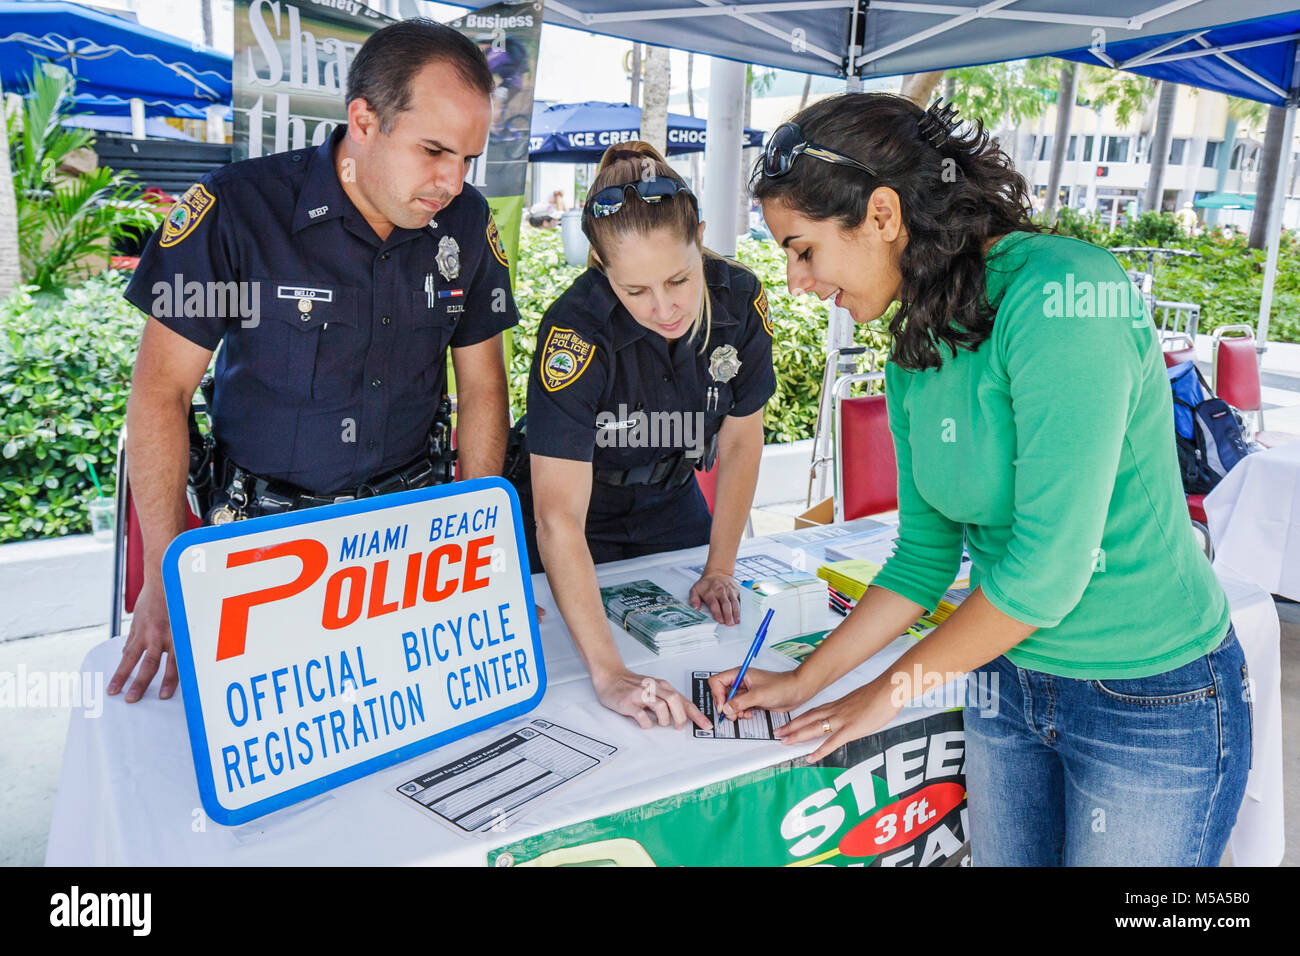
x: 759, y: 689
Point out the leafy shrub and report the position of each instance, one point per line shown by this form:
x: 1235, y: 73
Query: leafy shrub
x: 65, y: 370
x: 66, y: 224
x: 1227, y: 281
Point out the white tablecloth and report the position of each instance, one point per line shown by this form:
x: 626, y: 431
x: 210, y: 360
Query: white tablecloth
x: 1254, y: 520
x: 128, y: 794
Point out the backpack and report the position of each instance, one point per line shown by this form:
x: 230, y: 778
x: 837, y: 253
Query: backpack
x: 1208, y: 435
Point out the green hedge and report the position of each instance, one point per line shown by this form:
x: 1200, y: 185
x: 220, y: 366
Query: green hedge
x: 1226, y: 281
x: 65, y: 369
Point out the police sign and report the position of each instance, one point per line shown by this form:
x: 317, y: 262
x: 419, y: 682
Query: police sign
x: 318, y: 646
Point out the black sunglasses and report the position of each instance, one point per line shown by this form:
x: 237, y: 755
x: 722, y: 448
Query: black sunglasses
x: 610, y: 199
x: 787, y: 144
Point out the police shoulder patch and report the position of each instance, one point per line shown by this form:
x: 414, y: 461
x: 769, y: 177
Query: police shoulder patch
x: 494, y: 242
x: 186, y: 214
x: 565, y: 356
x: 760, y: 305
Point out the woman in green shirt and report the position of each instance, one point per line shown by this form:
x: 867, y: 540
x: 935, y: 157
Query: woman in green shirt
x: 1032, y: 424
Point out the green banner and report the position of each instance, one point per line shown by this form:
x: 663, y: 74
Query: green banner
x: 895, y: 798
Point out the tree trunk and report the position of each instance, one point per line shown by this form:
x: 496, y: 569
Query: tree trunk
x: 1066, y: 90
x: 807, y: 88
x: 1261, y: 223
x: 10, y: 268
x: 742, y: 213
x: 690, y: 105
x: 636, y: 75
x: 919, y: 87
x: 1153, y: 199
x: 206, y: 11
x: 654, y: 111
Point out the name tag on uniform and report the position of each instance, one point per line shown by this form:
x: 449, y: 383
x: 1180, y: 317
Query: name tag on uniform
x: 302, y: 292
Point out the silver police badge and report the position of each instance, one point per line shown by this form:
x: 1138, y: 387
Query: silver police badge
x: 724, y: 363
x: 448, y: 258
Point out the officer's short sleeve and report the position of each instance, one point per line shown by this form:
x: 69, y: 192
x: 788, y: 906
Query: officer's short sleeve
x: 489, y: 303
x: 756, y: 381
x: 191, y: 246
x: 565, y: 387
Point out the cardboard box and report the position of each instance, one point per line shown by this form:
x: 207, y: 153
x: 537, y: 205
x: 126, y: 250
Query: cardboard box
x: 819, y: 514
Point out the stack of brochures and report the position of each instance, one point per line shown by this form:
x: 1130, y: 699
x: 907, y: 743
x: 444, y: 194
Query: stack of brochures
x: 846, y: 582
x: 657, y: 619
x: 950, y: 601
x: 767, y: 582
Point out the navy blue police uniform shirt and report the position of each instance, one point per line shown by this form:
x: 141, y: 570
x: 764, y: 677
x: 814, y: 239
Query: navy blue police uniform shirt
x: 594, y: 363
x: 336, y: 376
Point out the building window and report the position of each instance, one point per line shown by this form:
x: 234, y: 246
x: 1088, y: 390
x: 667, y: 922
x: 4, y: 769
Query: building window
x: 1115, y: 149
x: 1045, y: 148
x: 1087, y: 149
x: 1072, y: 151
x: 1211, y: 154
x: 1177, y: 148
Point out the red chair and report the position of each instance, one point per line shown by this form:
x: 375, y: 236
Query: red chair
x: 708, y: 482
x: 1235, y: 378
x: 866, y: 471
x: 128, y: 546
x: 1178, y: 347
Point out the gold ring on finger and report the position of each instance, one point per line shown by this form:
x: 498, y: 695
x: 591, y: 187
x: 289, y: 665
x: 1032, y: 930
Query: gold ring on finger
x: 826, y: 726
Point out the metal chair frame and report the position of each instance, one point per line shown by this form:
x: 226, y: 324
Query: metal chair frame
x: 838, y: 362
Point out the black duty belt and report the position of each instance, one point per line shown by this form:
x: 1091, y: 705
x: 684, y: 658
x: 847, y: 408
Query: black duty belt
x: 670, y: 472
x: 242, y: 494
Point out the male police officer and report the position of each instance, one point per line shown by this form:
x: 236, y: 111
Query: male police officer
x: 357, y: 264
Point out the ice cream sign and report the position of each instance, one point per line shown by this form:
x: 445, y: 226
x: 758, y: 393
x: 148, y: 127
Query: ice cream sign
x: 318, y: 646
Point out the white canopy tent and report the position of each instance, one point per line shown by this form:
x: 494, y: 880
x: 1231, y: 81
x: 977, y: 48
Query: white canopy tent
x: 1244, y: 47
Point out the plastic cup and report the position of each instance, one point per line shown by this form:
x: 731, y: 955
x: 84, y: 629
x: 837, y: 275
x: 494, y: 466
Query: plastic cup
x: 102, y: 512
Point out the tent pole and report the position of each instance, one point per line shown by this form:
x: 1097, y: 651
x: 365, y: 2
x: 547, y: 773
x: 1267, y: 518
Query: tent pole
x: 839, y: 325
x: 1278, y: 203
x: 722, y: 146
x: 137, y: 118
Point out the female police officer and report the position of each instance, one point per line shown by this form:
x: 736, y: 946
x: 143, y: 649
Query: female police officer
x: 659, y: 350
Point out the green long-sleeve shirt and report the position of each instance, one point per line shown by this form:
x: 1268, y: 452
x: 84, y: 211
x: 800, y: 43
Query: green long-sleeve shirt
x: 1051, y: 448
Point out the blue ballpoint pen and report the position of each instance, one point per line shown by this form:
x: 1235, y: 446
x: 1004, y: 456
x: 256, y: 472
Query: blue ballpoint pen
x: 753, y: 649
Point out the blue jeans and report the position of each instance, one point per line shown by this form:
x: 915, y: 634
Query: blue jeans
x: 1146, y: 771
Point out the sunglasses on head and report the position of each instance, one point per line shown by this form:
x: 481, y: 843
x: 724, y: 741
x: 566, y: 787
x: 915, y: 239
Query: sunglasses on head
x: 787, y: 144
x: 610, y: 200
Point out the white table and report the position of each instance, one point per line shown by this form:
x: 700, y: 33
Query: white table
x: 1254, y: 520
x: 128, y: 794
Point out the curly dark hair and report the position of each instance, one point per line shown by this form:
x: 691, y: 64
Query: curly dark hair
x: 954, y: 197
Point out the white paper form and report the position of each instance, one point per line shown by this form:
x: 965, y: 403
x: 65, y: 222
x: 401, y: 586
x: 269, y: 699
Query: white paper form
x: 760, y: 725
x: 499, y: 781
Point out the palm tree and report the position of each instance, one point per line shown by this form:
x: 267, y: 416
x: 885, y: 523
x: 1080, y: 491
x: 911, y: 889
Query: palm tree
x: 755, y: 82
x: 64, y: 222
x: 920, y: 87
x: 654, y: 109
x: 10, y: 273
x: 1066, y: 92
x: 635, y: 68
x: 1262, y: 221
x: 1153, y: 199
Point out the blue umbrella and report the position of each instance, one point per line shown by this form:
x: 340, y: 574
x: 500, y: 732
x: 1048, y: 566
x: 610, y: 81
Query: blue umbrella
x: 108, y: 55
x: 581, y: 132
